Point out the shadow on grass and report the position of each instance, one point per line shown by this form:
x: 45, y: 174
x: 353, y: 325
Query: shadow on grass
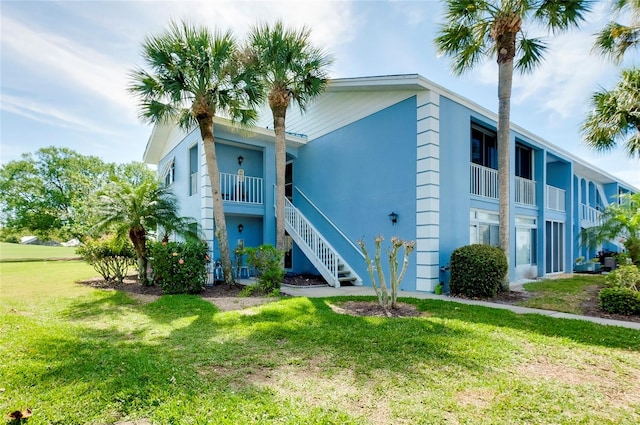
x: 580, y: 331
x: 195, y: 361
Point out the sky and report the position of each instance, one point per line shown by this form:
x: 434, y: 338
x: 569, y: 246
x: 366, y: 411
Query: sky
x: 64, y: 67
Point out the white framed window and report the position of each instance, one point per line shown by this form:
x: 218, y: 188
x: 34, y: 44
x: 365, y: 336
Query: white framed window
x: 193, y: 170
x: 484, y: 227
x: 526, y: 241
x: 168, y: 173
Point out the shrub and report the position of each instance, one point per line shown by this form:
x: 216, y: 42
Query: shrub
x: 267, y: 261
x: 179, y: 267
x: 626, y: 276
x: 387, y: 296
x: 477, y: 271
x: 619, y: 300
x: 109, y: 256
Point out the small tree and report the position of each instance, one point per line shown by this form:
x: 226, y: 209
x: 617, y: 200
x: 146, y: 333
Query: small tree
x: 387, y: 296
x: 267, y: 261
x: 618, y: 220
x: 110, y: 257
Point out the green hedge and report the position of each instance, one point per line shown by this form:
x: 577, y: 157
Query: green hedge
x: 179, y: 267
x: 477, y: 271
x: 620, y: 300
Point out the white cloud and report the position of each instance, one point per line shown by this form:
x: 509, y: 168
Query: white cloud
x: 49, y: 114
x: 65, y: 62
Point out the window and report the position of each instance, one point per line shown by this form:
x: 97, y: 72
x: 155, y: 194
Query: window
x: 483, y: 228
x: 526, y: 241
x: 524, y: 162
x: 193, y: 170
x: 484, y: 147
x: 169, y: 172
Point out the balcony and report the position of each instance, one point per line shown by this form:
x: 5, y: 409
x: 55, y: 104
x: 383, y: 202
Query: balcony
x: 555, y: 199
x: 525, y: 191
x: 589, y: 216
x: 484, y: 182
x: 241, y: 189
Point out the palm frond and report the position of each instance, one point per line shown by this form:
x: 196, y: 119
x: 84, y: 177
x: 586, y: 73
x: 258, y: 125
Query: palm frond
x: 615, y: 39
x: 561, y: 15
x: 530, y: 54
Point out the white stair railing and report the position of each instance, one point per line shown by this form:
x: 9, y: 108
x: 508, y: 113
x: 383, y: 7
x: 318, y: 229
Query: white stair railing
x: 323, y: 256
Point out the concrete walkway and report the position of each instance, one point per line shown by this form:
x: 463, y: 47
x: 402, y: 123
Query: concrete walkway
x: 328, y: 291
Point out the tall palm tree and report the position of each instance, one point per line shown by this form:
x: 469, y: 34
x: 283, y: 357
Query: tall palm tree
x: 475, y: 30
x: 615, y: 38
x: 615, y: 116
x: 132, y: 210
x: 195, y: 75
x: 291, y: 69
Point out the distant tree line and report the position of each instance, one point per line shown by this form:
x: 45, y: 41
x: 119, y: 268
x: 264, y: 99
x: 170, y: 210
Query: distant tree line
x: 53, y: 193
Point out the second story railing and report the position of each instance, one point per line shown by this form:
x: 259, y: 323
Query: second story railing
x: 484, y: 181
x: 525, y: 191
x: 244, y: 189
x: 555, y: 198
x: 589, y: 215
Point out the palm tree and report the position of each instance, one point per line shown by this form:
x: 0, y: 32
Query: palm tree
x: 621, y: 220
x: 615, y: 39
x: 291, y: 69
x: 195, y: 75
x: 132, y: 210
x: 476, y: 30
x: 615, y: 116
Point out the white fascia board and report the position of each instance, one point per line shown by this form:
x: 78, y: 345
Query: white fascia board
x: 162, y: 134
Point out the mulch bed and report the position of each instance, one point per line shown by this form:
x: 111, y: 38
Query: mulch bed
x: 356, y: 308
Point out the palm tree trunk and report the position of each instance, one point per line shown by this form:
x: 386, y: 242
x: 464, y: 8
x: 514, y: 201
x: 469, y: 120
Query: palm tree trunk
x: 281, y: 162
x: 208, y: 141
x: 506, y: 53
x: 138, y: 238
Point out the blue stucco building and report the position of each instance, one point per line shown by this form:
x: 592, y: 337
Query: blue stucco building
x: 373, y: 146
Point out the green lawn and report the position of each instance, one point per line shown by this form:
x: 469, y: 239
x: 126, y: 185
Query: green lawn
x: 564, y: 295
x: 77, y: 355
x: 19, y: 252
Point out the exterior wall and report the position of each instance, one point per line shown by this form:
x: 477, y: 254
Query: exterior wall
x: 357, y: 176
x: 189, y: 206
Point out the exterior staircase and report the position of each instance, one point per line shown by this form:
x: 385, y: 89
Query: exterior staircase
x: 322, y: 255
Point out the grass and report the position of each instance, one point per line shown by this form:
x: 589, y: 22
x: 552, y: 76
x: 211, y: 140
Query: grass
x: 566, y: 295
x: 77, y: 355
x: 19, y: 252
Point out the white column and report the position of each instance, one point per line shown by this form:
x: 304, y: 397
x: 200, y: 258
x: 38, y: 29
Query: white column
x: 428, y: 191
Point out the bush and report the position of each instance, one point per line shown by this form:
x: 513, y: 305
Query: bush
x: 109, y: 256
x: 179, y: 267
x: 477, y: 271
x: 619, y: 300
x: 267, y: 261
x: 627, y: 276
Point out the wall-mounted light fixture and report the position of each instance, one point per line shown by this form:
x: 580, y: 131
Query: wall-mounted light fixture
x: 240, y: 228
x: 394, y: 217
x: 240, y: 159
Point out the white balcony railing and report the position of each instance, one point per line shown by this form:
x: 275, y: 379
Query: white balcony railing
x: 243, y: 189
x: 484, y: 181
x: 589, y: 216
x: 525, y: 191
x: 555, y: 199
